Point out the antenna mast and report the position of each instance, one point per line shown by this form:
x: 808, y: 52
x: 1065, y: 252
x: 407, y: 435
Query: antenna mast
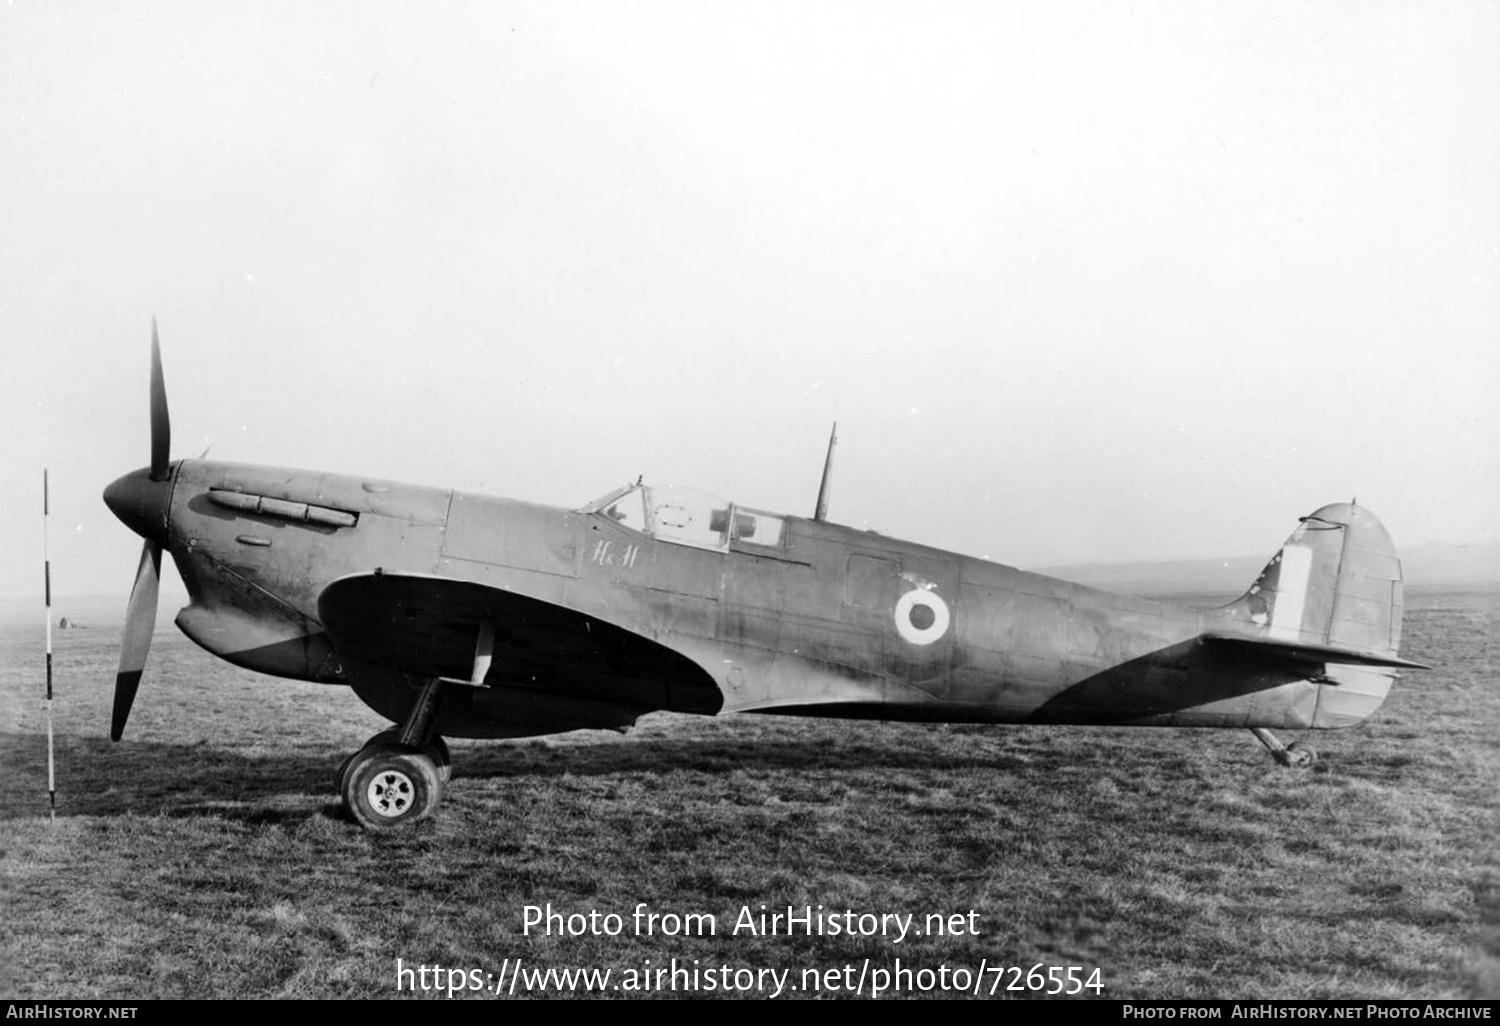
x: 820, y: 511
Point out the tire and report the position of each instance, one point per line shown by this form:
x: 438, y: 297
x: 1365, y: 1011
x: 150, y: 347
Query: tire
x: 338, y: 774
x: 437, y: 751
x: 389, y: 786
x: 1300, y: 755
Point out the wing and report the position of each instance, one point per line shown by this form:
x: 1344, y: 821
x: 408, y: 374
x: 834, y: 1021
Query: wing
x: 552, y: 665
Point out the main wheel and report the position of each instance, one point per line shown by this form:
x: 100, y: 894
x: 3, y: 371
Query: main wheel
x: 437, y: 751
x: 384, y: 737
x: 387, y: 786
x: 338, y: 774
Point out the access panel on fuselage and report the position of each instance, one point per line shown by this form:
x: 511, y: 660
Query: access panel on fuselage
x: 876, y: 611
x: 517, y: 535
x: 755, y: 590
x: 790, y: 606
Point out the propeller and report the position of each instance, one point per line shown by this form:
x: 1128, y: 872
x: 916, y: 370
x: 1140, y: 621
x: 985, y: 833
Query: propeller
x: 140, y: 622
x: 141, y: 499
x: 161, y: 423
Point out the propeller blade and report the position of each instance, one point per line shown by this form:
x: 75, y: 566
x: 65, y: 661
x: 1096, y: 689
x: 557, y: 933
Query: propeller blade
x: 140, y: 622
x: 161, y: 423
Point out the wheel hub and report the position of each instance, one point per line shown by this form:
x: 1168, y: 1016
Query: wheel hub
x: 390, y: 793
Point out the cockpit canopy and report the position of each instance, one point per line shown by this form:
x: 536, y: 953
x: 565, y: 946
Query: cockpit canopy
x: 688, y: 516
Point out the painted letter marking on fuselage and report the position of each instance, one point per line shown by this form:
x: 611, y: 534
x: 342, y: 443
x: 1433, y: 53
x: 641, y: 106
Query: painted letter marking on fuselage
x: 604, y: 555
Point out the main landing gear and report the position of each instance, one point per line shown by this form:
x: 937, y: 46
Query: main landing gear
x: 398, y: 776
x: 387, y: 784
x: 1297, y: 755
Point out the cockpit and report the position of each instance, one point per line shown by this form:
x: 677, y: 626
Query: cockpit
x: 688, y: 516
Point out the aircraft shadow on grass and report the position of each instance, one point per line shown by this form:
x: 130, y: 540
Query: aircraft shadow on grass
x: 96, y: 779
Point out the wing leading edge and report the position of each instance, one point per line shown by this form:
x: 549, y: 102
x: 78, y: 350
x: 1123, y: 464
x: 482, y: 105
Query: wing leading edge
x: 545, y: 656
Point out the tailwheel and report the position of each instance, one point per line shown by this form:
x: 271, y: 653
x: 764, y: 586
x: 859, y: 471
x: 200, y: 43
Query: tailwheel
x: 1296, y: 755
x: 387, y: 785
x: 1301, y: 756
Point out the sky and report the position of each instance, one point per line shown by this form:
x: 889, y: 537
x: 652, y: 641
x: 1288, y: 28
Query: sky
x: 1078, y: 282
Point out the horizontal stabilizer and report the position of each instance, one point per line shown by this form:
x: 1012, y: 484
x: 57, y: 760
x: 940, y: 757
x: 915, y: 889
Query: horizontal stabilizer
x: 1302, y: 651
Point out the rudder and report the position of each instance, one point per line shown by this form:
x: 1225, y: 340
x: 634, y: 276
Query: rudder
x: 1335, y: 584
x: 1336, y: 581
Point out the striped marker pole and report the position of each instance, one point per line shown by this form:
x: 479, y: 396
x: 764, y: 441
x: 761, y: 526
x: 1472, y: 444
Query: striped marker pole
x: 47, y: 568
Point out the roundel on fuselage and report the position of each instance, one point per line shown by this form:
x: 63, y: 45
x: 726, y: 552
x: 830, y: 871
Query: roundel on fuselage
x: 921, y: 616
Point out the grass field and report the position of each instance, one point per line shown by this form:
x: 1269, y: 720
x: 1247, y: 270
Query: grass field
x: 205, y: 856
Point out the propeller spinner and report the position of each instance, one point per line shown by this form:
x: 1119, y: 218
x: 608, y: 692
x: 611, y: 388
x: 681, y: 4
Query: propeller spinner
x: 141, y: 500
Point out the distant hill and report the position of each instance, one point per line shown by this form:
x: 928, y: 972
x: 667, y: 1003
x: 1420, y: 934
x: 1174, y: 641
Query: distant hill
x: 87, y: 610
x: 1227, y: 577
x: 1426, y: 568
x: 1440, y: 565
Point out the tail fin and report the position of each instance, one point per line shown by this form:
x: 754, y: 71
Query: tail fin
x: 1336, y: 581
x: 1331, y: 595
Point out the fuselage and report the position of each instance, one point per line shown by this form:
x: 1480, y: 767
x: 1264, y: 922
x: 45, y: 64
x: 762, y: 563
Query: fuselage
x: 782, y: 614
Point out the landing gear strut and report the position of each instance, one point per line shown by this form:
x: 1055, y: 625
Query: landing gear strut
x: 1296, y: 754
x: 398, y: 776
